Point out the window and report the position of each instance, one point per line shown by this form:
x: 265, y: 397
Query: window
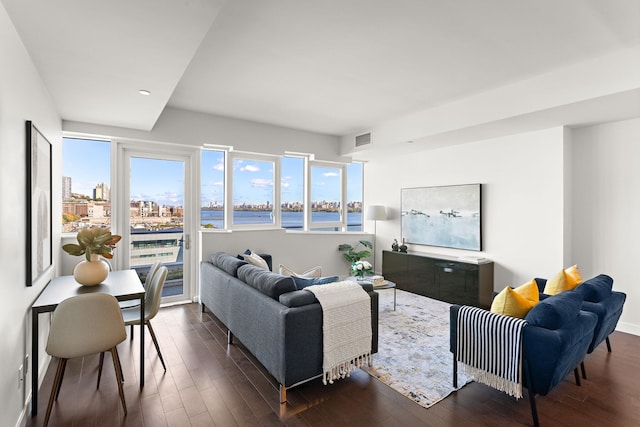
x: 354, y: 196
x: 253, y: 191
x: 326, y: 194
x: 212, y: 189
x: 292, y: 193
x: 86, y: 193
x: 248, y: 190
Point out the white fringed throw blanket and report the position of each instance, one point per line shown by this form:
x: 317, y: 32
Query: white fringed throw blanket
x: 489, y: 347
x: 346, y: 326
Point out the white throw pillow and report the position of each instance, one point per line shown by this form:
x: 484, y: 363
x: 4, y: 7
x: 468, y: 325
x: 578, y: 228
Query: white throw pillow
x: 311, y: 273
x: 257, y: 260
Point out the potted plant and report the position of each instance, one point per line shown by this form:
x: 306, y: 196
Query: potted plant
x: 361, y: 268
x: 353, y: 254
x: 93, y: 243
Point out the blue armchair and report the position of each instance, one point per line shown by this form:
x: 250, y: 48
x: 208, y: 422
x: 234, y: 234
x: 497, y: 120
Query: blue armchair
x: 599, y: 298
x: 555, y: 341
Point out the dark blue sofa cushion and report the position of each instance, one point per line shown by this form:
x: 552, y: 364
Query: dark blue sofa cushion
x: 596, y: 289
x: 556, y: 311
x: 227, y: 263
x: 297, y: 299
x: 303, y: 282
x: 270, y: 284
x: 552, y: 354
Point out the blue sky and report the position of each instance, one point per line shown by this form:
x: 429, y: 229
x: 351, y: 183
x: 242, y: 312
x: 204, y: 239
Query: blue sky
x: 88, y: 164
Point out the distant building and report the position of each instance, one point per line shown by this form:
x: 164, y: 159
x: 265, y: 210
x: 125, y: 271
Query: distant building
x: 102, y: 191
x: 66, y: 187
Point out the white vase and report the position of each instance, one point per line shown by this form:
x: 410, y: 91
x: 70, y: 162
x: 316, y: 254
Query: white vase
x: 91, y: 273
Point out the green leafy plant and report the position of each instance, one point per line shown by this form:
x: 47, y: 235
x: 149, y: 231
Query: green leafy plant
x: 93, y: 240
x: 354, y: 253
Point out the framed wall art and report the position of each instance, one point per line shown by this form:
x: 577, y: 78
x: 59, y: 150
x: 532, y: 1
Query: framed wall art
x: 446, y: 216
x: 39, y: 253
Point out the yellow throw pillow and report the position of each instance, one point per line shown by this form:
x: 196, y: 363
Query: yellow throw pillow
x: 573, y: 276
x: 509, y: 302
x: 529, y: 291
x: 565, y: 280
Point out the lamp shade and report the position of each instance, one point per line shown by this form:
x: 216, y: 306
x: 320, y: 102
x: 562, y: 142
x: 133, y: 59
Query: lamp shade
x: 376, y: 213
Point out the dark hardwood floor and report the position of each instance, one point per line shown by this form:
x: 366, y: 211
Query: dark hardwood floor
x: 210, y: 384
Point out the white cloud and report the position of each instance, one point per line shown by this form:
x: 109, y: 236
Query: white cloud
x: 250, y: 168
x: 330, y: 174
x: 219, y: 167
x: 261, y: 183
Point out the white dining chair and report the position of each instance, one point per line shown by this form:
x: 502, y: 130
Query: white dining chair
x: 81, y: 326
x: 152, y: 271
x: 152, y: 297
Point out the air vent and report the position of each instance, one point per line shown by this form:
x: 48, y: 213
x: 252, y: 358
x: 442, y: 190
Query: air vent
x: 363, y: 139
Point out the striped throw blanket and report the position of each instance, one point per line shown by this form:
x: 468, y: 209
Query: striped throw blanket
x: 346, y: 327
x: 489, y: 348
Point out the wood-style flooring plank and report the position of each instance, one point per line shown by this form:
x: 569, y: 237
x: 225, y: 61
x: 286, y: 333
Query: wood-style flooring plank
x: 208, y: 383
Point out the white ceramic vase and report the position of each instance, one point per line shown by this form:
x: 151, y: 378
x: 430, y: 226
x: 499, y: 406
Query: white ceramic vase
x: 91, y: 273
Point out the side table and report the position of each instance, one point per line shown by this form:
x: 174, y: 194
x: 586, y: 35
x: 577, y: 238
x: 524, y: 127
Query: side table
x: 387, y: 284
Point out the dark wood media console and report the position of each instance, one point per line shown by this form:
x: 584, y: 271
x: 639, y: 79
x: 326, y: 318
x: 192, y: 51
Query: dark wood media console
x: 452, y: 280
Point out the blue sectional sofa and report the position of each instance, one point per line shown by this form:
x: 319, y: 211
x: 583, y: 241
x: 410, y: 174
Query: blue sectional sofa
x: 280, y: 325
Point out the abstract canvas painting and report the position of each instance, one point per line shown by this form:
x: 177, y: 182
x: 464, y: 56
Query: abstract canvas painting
x: 446, y: 216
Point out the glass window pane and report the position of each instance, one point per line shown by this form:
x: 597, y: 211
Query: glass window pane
x: 212, y: 191
x: 86, y: 177
x: 326, y: 194
x: 157, y: 218
x: 354, y: 197
x: 292, y: 193
x: 253, y: 191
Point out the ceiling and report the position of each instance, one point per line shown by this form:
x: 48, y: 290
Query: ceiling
x: 332, y: 66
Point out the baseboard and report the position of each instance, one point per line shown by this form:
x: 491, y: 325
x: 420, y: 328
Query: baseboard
x: 629, y: 328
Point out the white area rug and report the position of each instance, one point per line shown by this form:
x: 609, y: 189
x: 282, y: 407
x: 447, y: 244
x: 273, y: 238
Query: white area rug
x: 413, y: 348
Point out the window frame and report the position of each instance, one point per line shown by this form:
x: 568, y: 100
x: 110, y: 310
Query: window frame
x: 113, y: 214
x: 341, y: 224
x: 229, y: 190
x: 305, y: 188
x: 225, y: 190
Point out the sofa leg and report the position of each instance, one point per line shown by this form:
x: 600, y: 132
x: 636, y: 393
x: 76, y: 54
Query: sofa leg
x: 584, y: 371
x: 283, y: 394
x: 229, y: 337
x: 455, y: 372
x: 575, y: 373
x: 202, y: 304
x: 608, y: 344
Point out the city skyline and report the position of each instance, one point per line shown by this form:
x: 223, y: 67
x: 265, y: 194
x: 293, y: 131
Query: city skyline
x: 253, y: 179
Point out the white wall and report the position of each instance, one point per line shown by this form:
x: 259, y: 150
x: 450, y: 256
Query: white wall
x: 523, y: 198
x: 606, y: 204
x: 297, y: 250
x: 23, y: 96
x: 195, y: 129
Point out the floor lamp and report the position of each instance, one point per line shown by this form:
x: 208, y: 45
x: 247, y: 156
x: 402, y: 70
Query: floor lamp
x: 375, y: 213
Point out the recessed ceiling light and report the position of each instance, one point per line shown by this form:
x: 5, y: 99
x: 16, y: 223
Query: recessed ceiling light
x: 144, y: 92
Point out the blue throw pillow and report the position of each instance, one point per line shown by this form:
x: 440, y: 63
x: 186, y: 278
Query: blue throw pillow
x: 596, y: 289
x: 303, y: 282
x: 556, y: 311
